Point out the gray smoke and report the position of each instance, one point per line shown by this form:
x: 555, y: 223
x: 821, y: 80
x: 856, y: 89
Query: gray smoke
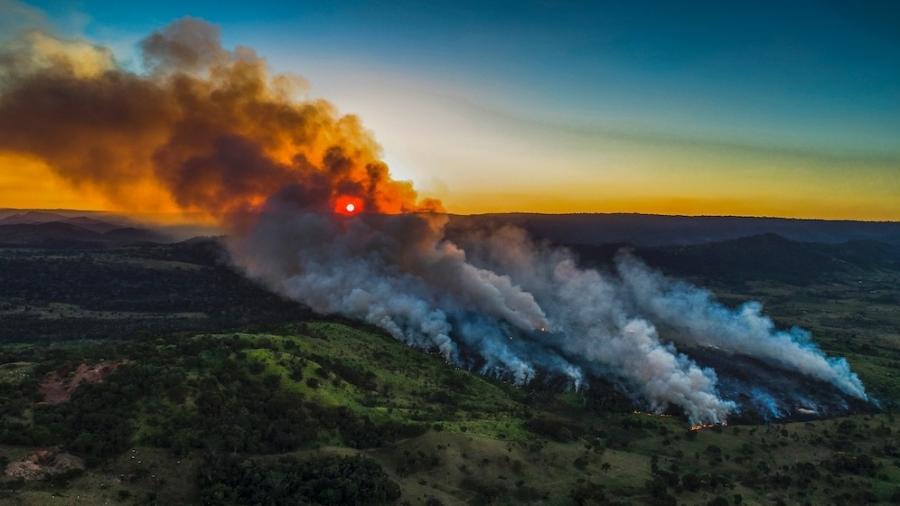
x: 207, y: 129
x: 521, y: 307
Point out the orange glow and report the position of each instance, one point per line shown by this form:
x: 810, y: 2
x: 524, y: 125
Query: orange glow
x: 348, y: 205
x: 29, y: 183
x: 703, y: 426
x: 58, y: 151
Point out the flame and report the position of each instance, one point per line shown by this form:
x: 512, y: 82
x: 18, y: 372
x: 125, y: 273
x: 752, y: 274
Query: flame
x: 703, y: 426
x: 348, y: 205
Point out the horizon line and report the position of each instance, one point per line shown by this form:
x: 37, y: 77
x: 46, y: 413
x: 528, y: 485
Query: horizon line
x: 496, y: 213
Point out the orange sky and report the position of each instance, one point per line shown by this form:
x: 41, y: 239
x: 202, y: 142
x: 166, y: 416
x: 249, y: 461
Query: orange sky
x: 28, y: 183
x: 498, y: 127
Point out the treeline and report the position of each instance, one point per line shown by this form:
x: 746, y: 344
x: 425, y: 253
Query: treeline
x: 325, y: 481
x: 127, y: 280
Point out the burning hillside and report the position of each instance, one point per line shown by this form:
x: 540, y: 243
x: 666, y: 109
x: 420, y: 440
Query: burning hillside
x: 313, y: 213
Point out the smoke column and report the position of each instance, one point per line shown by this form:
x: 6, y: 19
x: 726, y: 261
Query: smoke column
x: 313, y: 213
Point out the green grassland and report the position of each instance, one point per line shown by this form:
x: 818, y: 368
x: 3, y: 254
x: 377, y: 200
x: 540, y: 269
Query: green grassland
x: 438, y: 432
x: 250, y: 395
x: 855, y: 316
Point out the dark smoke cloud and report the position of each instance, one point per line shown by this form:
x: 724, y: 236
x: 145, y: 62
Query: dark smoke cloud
x: 211, y: 130
x: 188, y: 45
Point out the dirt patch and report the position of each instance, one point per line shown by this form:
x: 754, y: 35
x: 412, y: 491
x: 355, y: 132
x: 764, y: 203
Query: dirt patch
x: 58, y: 386
x: 43, y: 464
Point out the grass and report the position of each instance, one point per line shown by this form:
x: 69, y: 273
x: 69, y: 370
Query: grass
x: 485, y: 439
x: 847, y: 317
x: 60, y: 311
x: 483, y: 443
x: 140, y: 476
x: 14, y: 373
x: 410, y: 384
x: 478, y: 440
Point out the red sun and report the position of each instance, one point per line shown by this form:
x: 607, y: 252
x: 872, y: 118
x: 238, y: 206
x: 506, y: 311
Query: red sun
x: 348, y: 205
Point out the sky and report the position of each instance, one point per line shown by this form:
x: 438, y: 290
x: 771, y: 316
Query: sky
x: 701, y: 108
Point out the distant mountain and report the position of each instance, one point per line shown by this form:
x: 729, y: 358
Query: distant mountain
x: 25, y: 233
x: 658, y: 230
x: 66, y: 227
x: 66, y: 213
x: 93, y: 224
x: 63, y: 233
x: 31, y: 217
x: 761, y: 257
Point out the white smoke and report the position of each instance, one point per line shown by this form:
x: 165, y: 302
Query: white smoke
x: 521, y: 307
x: 212, y: 130
x: 695, y: 318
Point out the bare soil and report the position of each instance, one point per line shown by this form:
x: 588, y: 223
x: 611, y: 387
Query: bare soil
x: 58, y: 386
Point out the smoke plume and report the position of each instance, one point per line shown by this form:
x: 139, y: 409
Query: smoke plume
x: 313, y: 213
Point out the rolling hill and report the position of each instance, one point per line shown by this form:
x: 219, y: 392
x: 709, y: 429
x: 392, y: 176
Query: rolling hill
x: 209, y: 389
x: 658, y: 230
x: 49, y: 229
x: 761, y: 257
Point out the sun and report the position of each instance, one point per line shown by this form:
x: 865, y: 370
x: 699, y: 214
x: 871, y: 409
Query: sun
x: 348, y: 205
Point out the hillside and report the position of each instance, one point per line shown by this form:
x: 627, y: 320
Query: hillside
x: 34, y: 233
x: 217, y: 417
x: 658, y: 230
x: 595, y: 229
x: 761, y: 257
x: 156, y: 374
x: 73, y: 231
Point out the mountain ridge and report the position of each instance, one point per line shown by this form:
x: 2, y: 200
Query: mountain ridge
x: 656, y: 230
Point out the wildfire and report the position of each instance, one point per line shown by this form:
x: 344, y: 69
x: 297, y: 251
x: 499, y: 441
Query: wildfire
x: 703, y: 426
x: 348, y: 205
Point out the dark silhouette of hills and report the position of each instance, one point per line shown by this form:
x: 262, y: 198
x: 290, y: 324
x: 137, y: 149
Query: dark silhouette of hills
x: 724, y: 248
x: 657, y: 230
x: 134, y: 234
x: 93, y: 224
x: 31, y: 217
x: 97, y: 223
x: 39, y: 229
x: 761, y: 257
x: 26, y: 233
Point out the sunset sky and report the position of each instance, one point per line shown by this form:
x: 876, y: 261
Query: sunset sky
x: 662, y: 107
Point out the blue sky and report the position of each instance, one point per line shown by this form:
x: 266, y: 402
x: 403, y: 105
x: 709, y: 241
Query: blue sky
x: 633, y: 97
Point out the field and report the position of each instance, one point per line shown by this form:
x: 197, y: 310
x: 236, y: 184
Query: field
x: 225, y: 394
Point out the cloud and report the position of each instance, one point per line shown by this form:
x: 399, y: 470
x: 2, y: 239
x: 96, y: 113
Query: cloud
x: 213, y: 130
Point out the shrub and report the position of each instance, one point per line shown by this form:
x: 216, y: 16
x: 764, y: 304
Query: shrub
x: 554, y: 428
x: 325, y: 481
